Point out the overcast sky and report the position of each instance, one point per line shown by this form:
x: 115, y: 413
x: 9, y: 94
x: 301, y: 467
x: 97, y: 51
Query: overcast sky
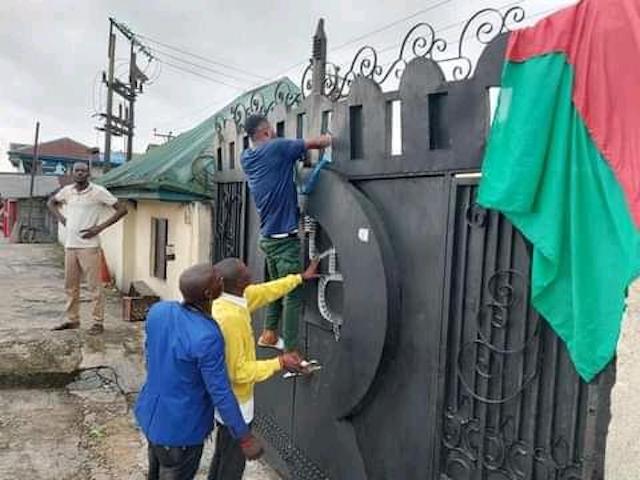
x: 52, y: 53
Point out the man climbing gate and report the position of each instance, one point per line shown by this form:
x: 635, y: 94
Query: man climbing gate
x: 269, y: 167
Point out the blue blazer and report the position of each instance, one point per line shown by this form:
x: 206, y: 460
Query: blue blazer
x: 186, y: 378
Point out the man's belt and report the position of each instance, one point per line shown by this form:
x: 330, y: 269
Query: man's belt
x: 282, y: 236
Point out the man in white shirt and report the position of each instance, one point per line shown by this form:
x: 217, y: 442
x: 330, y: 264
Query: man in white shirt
x: 83, y: 203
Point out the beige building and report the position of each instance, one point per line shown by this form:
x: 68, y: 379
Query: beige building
x: 155, y: 242
x: 169, y: 191
x: 168, y: 227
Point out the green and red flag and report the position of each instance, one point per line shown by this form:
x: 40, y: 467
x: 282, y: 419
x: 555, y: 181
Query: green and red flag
x: 563, y: 165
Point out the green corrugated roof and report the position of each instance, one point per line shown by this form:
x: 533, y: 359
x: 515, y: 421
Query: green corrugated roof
x: 166, y: 172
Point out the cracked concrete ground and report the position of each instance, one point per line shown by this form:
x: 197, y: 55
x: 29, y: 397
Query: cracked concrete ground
x: 84, y: 430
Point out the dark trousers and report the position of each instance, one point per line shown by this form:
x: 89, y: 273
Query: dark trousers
x: 173, y: 463
x: 228, y: 460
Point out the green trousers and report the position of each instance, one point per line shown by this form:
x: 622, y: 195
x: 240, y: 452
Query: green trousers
x: 283, y: 258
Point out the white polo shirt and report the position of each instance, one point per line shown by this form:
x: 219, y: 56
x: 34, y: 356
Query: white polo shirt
x: 83, y: 210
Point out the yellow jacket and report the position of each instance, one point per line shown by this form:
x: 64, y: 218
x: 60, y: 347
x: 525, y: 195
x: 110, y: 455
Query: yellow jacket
x: 235, y: 321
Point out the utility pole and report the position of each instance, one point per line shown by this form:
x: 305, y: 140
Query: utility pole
x: 108, y: 124
x: 132, y: 92
x: 167, y: 136
x: 34, y: 160
x: 122, y: 124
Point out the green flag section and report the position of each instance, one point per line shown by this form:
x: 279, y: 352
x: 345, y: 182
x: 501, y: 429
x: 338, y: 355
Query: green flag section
x: 543, y: 171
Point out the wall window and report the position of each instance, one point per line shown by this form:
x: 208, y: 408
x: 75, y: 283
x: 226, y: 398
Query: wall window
x: 394, y: 113
x: 159, y: 237
x: 326, y: 121
x: 219, y: 158
x: 494, y: 94
x: 356, y: 131
x: 232, y: 155
x: 439, y: 135
x: 300, y: 125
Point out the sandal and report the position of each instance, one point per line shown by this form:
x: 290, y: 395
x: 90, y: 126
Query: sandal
x: 270, y: 339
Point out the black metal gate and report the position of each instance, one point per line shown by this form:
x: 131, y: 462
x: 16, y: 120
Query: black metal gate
x: 228, y: 226
x: 435, y: 364
x: 513, y: 405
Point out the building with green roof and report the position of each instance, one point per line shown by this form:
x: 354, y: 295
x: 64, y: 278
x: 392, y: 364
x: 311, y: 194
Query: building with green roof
x: 170, y: 196
x: 181, y: 169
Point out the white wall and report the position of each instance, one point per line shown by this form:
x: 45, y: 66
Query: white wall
x: 128, y: 244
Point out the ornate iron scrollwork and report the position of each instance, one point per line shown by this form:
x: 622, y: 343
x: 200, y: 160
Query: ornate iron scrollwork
x: 498, y: 450
x: 504, y: 289
x: 475, y: 215
x: 219, y: 126
x: 228, y: 221
x: 481, y: 430
x: 284, y: 94
x: 421, y: 41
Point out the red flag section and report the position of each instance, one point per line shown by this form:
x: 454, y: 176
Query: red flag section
x: 601, y: 39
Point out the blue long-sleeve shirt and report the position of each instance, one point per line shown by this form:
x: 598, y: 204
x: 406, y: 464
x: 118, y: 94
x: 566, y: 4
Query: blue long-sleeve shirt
x: 269, y: 169
x: 186, y: 378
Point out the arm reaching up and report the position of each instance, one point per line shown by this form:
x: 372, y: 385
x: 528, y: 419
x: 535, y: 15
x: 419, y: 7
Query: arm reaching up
x: 318, y: 143
x: 262, y: 294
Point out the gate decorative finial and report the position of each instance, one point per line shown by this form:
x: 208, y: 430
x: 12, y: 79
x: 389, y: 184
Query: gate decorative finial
x: 319, y: 58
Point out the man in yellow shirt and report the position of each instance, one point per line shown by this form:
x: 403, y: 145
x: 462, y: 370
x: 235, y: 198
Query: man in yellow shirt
x: 232, y: 310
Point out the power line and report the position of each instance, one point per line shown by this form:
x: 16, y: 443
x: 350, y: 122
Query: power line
x: 450, y: 26
x: 367, y: 34
x: 198, y: 74
x: 197, y: 65
x: 200, y: 57
x: 212, y: 107
x: 344, y: 44
x: 356, y: 39
x: 389, y: 25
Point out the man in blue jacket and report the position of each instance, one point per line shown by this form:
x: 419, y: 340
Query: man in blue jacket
x: 187, y: 380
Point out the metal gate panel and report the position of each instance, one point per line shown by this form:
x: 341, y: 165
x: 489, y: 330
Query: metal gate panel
x: 229, y: 221
x: 471, y: 383
x: 415, y: 215
x: 513, y: 406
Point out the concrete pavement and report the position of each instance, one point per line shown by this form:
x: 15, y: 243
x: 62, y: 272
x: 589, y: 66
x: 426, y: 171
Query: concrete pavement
x: 84, y: 430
